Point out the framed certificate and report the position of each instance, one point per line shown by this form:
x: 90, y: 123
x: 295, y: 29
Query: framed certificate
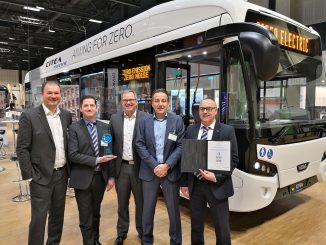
x: 204, y: 154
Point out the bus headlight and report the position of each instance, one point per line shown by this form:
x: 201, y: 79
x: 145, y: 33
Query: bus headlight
x: 264, y: 168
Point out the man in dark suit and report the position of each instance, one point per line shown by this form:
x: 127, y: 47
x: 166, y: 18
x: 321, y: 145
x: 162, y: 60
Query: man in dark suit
x: 209, y: 186
x: 41, y: 151
x: 123, y: 127
x: 90, y: 170
x: 158, y: 144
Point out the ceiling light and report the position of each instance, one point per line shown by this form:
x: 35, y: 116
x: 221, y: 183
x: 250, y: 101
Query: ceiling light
x: 50, y: 30
x: 205, y: 52
x: 9, y: 60
x: 95, y: 21
x: 11, y: 38
x: 48, y: 47
x: 26, y: 50
x: 4, y: 50
x: 39, y: 7
x: 29, y: 20
x: 31, y: 8
x: 3, y: 43
x: 189, y: 55
x: 25, y: 60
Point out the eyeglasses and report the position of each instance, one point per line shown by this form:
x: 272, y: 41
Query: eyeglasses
x: 129, y: 100
x: 208, y: 109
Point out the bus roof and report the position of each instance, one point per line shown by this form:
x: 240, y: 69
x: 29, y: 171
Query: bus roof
x: 162, y: 23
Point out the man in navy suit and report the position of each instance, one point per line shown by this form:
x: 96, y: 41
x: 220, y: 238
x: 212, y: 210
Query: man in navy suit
x: 209, y: 186
x: 90, y: 170
x: 158, y: 143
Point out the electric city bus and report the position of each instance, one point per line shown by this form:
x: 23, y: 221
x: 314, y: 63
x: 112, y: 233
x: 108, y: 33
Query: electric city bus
x: 264, y: 71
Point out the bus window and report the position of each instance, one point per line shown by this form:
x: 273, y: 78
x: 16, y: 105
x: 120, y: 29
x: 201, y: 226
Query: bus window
x: 294, y: 94
x: 93, y: 84
x: 237, y: 109
x: 191, y: 76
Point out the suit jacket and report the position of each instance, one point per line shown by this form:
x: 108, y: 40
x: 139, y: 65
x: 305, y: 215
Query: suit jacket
x: 223, y: 188
x: 145, y: 144
x: 116, y: 127
x: 35, y: 144
x: 82, y: 154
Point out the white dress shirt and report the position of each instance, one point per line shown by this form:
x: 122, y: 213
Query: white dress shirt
x: 57, y: 134
x: 209, y: 132
x: 128, y: 133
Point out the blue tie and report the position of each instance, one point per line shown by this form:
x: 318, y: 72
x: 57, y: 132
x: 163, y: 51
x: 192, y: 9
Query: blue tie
x: 94, y: 138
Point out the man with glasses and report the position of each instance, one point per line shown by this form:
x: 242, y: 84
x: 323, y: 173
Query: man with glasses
x: 158, y: 143
x: 209, y: 186
x: 122, y: 125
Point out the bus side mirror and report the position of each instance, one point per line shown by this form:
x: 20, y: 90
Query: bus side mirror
x: 264, y: 53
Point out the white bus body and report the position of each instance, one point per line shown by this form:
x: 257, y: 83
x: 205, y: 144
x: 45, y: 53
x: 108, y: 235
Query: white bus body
x: 176, y: 20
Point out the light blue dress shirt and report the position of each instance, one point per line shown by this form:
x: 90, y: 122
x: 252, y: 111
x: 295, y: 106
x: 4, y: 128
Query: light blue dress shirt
x: 159, y: 133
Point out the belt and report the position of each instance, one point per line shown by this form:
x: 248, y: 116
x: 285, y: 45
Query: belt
x: 130, y: 162
x: 60, y: 168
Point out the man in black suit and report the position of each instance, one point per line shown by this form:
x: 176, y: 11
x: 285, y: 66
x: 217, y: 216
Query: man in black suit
x: 123, y: 128
x: 158, y: 143
x: 90, y: 170
x: 42, y: 155
x: 209, y: 186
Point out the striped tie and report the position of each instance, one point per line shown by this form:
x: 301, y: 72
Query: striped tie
x: 94, y: 138
x: 203, y: 137
x: 204, y: 134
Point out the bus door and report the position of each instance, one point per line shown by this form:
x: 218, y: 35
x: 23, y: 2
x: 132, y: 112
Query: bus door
x: 174, y: 77
x: 190, y: 76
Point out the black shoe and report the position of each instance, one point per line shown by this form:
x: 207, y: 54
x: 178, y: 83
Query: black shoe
x: 118, y: 241
x: 98, y: 243
x: 140, y: 236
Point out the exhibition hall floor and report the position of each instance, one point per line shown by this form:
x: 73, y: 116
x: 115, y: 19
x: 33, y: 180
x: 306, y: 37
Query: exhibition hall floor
x: 300, y: 219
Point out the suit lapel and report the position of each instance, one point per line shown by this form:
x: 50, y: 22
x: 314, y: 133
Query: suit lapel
x: 169, y: 128
x: 100, y: 132
x: 64, y: 128
x: 137, y: 119
x: 121, y: 125
x: 217, y: 131
x: 44, y: 122
x: 85, y: 132
x: 196, y: 131
x: 151, y: 130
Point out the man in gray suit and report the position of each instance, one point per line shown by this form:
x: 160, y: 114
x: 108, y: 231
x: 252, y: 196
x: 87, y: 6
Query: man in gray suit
x: 158, y: 143
x: 123, y: 128
x: 210, y: 186
x: 41, y: 151
x: 90, y: 171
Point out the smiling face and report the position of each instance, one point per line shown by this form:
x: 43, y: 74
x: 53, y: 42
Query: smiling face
x: 51, y: 96
x: 160, y: 104
x: 88, y: 108
x: 129, y: 103
x: 207, y: 111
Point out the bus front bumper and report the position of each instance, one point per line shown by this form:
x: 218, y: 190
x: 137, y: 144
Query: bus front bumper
x: 252, y: 192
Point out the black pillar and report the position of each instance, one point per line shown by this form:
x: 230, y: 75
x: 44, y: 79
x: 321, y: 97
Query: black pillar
x: 272, y: 5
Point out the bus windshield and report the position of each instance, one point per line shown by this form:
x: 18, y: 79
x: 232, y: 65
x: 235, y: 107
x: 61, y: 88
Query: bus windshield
x: 296, y: 93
